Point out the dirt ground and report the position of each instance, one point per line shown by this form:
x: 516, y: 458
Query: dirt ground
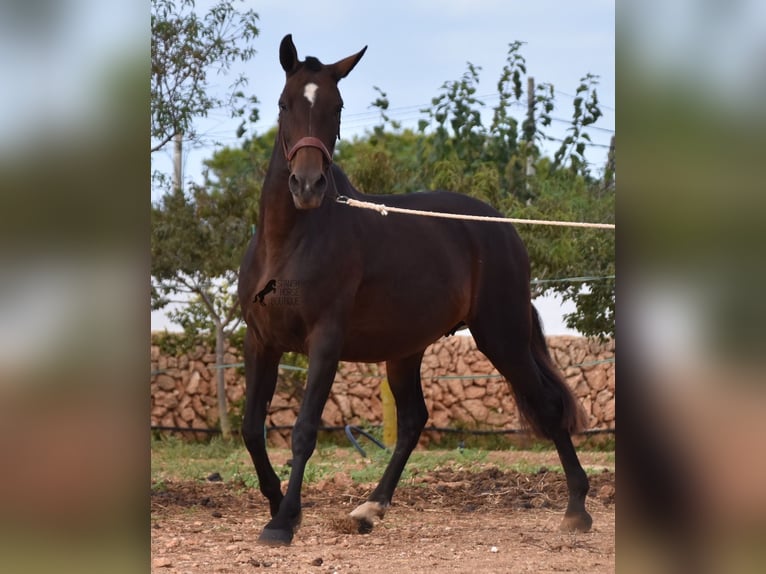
x: 444, y: 521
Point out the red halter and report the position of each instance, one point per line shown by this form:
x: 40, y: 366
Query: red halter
x: 308, y: 141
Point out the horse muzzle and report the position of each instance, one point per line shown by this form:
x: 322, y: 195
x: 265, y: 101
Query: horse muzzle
x: 307, y: 188
x: 308, y: 182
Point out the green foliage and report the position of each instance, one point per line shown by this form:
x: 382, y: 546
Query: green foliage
x: 561, y: 252
x: 177, y: 459
x: 384, y: 162
x: 186, y: 48
x: 174, y: 344
x: 586, y: 112
x: 198, y: 238
x: 455, y: 121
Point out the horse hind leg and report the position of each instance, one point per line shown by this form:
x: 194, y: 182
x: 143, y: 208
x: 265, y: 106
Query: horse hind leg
x: 411, y: 417
x: 544, y: 401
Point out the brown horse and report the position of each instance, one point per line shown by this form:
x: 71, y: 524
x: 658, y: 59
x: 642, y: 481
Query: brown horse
x: 362, y: 287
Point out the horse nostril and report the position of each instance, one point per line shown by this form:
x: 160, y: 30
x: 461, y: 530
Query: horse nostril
x: 321, y: 183
x: 293, y: 183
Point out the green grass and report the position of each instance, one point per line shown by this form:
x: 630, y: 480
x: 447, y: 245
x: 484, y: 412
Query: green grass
x: 174, y: 459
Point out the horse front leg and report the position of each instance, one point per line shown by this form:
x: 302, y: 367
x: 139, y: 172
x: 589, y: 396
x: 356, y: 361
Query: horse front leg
x: 323, y: 364
x: 261, y: 367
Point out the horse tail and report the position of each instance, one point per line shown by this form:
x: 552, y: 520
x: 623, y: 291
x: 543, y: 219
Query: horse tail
x: 553, y: 407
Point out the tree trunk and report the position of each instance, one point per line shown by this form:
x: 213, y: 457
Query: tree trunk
x: 223, y: 411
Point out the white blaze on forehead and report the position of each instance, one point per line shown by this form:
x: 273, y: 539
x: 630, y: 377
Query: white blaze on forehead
x: 310, y: 92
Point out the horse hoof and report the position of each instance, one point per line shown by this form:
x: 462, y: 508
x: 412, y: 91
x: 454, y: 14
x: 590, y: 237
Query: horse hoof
x: 275, y: 537
x: 365, y: 514
x: 576, y: 522
x: 363, y: 526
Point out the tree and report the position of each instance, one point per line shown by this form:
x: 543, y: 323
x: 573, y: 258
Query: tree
x: 197, y: 244
x: 186, y: 49
x: 559, y: 253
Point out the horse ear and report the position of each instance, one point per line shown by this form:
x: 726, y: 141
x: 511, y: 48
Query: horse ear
x: 288, y: 55
x: 341, y: 69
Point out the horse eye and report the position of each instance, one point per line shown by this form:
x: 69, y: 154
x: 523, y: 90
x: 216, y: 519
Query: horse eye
x: 282, y: 107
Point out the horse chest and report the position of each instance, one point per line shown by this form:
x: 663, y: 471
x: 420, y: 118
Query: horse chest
x: 279, y: 310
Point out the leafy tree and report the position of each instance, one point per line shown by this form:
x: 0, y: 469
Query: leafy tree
x: 186, y: 49
x: 558, y: 252
x: 197, y: 243
x: 586, y: 112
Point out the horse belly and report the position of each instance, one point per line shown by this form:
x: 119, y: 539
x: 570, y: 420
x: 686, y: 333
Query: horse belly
x: 397, y: 325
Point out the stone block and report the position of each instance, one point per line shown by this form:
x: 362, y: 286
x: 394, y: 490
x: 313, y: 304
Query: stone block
x: 194, y: 381
x: 165, y: 382
x: 476, y: 409
x: 475, y: 392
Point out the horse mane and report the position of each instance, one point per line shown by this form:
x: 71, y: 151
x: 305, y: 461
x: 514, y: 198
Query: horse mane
x: 313, y: 64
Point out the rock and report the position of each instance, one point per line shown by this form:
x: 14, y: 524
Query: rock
x: 581, y: 389
x: 185, y: 391
x: 482, y: 366
x: 211, y: 417
x: 278, y: 440
x: 162, y: 562
x: 331, y: 415
x: 362, y: 391
x: 197, y: 353
x: 458, y: 414
x: 193, y: 386
x: 461, y: 368
x: 475, y: 392
x: 199, y: 407
x: 456, y: 388
x: 497, y: 419
x: 476, y: 409
x: 344, y: 405
x: 168, y: 420
x: 440, y: 417
x: 561, y: 358
x: 282, y: 418
x: 165, y: 382
x: 235, y: 393
x: 361, y: 409
x: 166, y: 400
x: 596, y: 378
x: 579, y: 354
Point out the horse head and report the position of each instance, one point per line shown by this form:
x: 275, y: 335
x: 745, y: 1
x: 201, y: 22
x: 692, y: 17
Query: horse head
x: 309, y: 120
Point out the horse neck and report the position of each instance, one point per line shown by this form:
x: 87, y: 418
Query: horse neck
x: 277, y: 214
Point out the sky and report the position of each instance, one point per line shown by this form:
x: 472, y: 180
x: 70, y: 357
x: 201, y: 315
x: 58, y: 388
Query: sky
x: 413, y: 47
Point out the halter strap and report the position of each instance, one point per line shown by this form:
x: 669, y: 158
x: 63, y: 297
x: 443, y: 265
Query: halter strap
x: 308, y: 141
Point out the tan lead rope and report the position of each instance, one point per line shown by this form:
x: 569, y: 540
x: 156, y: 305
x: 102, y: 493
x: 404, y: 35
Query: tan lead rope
x: 385, y: 210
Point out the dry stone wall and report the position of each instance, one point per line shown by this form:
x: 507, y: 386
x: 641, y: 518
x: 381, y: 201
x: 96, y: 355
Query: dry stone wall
x: 460, y: 385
